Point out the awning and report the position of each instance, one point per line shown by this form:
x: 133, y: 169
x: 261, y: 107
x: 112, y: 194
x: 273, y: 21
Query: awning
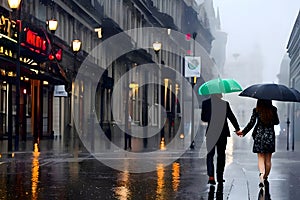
x: 30, y: 71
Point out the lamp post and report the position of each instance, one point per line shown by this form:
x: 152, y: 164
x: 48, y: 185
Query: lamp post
x: 52, y: 26
x: 15, y: 5
x: 194, y: 79
x: 157, y: 47
x: 76, y: 46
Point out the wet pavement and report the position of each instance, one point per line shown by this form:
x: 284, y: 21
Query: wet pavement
x: 62, y: 169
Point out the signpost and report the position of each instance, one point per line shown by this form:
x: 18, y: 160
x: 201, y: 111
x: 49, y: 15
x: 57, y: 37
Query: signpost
x: 192, y: 69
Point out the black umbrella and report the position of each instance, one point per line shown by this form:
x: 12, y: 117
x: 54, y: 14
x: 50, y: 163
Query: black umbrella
x: 271, y: 91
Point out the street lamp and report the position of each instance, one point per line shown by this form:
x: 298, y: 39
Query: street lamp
x: 14, y: 5
x: 52, y: 25
x: 193, y: 82
x: 157, y: 47
x: 76, y: 45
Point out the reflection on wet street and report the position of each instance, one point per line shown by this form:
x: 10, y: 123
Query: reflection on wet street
x: 35, y: 171
x: 63, y: 169
x: 44, y: 174
x: 175, y: 176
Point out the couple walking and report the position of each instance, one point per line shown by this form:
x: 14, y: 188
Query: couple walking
x: 216, y: 111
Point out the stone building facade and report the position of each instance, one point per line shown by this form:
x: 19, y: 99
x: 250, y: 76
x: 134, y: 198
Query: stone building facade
x: 96, y: 21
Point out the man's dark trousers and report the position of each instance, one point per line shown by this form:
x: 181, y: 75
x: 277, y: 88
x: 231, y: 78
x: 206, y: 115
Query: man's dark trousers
x: 221, y: 156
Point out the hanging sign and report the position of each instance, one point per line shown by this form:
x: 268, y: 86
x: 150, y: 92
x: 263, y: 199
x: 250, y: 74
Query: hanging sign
x: 192, y: 66
x: 34, y: 41
x: 59, y: 91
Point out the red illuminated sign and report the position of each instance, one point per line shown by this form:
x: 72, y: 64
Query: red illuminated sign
x: 34, y: 41
x: 188, y: 36
x: 56, y: 53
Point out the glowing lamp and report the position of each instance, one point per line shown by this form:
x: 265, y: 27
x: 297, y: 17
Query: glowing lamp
x: 76, y: 45
x: 52, y: 25
x: 14, y: 4
x: 157, y: 46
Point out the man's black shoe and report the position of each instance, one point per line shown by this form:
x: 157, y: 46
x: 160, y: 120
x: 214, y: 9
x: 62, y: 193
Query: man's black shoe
x: 212, y: 182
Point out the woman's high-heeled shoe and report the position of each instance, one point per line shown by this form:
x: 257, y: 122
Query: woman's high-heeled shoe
x: 261, y: 184
x: 266, y: 182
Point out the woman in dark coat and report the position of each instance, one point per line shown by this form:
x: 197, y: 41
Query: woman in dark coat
x: 264, y: 117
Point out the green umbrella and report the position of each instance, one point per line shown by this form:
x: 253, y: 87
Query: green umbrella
x: 217, y: 86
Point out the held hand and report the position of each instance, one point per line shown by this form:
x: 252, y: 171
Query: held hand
x: 239, y: 133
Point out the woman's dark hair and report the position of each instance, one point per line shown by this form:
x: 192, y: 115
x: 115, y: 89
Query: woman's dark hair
x: 265, y: 111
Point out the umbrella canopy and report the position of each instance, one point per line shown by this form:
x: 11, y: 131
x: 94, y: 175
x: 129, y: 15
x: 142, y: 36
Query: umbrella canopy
x: 217, y: 86
x: 271, y: 91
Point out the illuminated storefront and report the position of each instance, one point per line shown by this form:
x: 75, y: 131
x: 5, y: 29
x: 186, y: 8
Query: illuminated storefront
x: 38, y: 75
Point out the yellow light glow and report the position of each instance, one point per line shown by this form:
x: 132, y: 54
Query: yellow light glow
x: 157, y: 46
x: 35, y: 171
x: 99, y: 31
x: 181, y: 136
x: 175, y: 176
x: 8, y: 38
x: 52, y: 24
x: 82, y: 87
x: 166, y: 91
x: 2, y: 72
x: 14, y: 4
x: 162, y: 144
x: 34, y: 70
x: 76, y: 45
x: 133, y: 85
x: 122, y: 190
x: 160, y: 180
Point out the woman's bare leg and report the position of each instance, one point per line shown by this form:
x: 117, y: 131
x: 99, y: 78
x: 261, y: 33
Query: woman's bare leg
x: 268, y: 164
x: 261, y: 166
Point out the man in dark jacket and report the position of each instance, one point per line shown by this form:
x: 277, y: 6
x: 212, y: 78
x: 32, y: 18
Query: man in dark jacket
x: 216, y: 111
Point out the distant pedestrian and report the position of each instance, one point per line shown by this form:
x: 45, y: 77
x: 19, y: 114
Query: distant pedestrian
x: 217, y: 137
x: 264, y: 117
